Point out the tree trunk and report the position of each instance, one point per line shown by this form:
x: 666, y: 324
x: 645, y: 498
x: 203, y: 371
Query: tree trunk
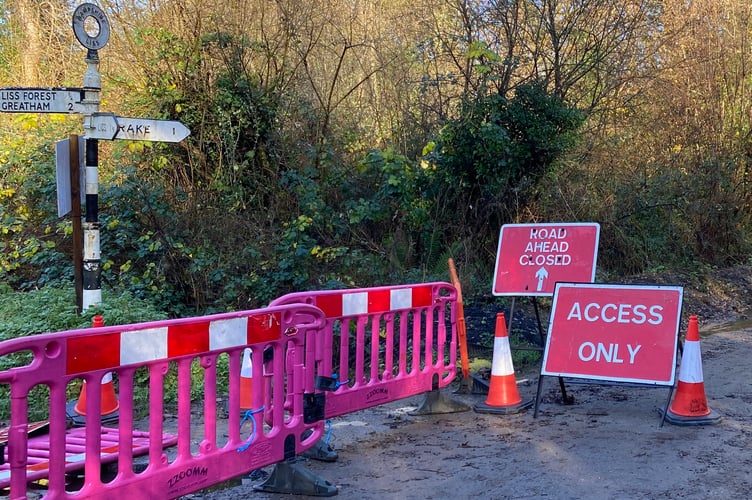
x: 31, y: 41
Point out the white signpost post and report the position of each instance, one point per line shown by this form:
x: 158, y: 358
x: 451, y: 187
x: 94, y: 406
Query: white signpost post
x: 92, y: 30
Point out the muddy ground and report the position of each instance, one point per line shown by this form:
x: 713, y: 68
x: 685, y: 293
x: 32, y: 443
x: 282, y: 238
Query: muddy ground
x: 608, y: 444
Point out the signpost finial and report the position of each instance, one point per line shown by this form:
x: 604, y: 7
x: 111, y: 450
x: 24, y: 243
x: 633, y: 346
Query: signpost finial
x: 91, y: 27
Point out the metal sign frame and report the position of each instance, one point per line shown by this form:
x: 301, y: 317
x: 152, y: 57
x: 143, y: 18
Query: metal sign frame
x: 590, y: 323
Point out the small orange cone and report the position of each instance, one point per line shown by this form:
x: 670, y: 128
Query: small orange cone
x: 109, y: 402
x: 109, y: 405
x: 690, y: 406
x: 503, y: 396
x: 246, y: 381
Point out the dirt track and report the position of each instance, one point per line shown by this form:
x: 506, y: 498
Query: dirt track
x: 609, y: 444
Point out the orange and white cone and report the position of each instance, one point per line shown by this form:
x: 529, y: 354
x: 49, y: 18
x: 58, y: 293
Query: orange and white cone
x: 690, y: 406
x: 246, y: 381
x: 503, y: 396
x: 109, y: 402
x: 76, y: 410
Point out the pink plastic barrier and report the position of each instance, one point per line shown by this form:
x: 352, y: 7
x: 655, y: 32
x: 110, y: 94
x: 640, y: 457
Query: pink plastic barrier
x: 379, y: 345
x: 208, y: 448
x: 314, y: 355
x: 38, y: 451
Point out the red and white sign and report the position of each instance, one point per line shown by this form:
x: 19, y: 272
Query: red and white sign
x: 625, y: 333
x: 533, y: 257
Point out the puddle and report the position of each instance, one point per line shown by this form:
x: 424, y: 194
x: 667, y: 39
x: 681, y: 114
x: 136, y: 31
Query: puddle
x: 731, y: 326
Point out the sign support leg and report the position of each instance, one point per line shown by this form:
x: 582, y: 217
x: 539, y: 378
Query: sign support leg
x: 680, y: 351
x: 567, y: 400
x: 538, y: 319
x: 538, y: 396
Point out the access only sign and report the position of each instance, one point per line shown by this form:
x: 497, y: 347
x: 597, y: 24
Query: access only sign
x: 531, y: 258
x: 625, y: 333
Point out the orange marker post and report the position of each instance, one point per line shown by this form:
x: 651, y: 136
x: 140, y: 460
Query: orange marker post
x: 461, y: 327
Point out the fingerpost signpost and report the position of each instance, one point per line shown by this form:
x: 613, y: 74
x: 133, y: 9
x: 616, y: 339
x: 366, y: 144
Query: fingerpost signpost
x: 92, y: 30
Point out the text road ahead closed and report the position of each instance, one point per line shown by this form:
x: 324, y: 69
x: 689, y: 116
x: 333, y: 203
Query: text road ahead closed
x: 532, y: 257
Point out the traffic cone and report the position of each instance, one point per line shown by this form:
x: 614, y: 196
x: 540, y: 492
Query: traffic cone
x: 76, y: 411
x: 690, y: 406
x: 503, y: 396
x: 246, y: 381
x: 109, y: 403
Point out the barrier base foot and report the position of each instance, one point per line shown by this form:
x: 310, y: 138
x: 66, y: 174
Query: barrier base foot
x: 294, y: 479
x: 321, y: 451
x: 435, y: 403
x: 503, y: 410
x: 80, y: 420
x: 465, y: 386
x: 480, y: 386
x: 672, y: 418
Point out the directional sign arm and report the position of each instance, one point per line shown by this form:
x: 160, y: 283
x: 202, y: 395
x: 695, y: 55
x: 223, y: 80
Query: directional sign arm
x: 46, y: 100
x: 101, y: 126
x: 109, y: 126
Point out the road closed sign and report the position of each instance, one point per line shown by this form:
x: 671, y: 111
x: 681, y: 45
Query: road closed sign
x: 532, y: 257
x: 625, y: 333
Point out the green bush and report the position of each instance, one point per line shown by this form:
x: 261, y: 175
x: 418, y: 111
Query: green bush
x: 50, y: 310
x: 486, y: 162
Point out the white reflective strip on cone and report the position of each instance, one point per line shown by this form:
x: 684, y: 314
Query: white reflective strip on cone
x: 225, y: 333
x: 502, y: 357
x: 143, y: 345
x: 354, y: 303
x: 690, y: 369
x: 246, y: 370
x: 107, y: 378
x: 401, y: 298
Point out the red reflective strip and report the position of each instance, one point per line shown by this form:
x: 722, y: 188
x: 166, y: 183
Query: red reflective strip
x: 422, y: 296
x: 264, y: 327
x: 330, y: 304
x: 379, y: 301
x: 187, y: 338
x: 84, y: 354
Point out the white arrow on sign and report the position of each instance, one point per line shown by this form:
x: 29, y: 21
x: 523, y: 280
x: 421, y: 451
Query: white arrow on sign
x: 42, y: 100
x: 110, y: 127
x: 542, y: 274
